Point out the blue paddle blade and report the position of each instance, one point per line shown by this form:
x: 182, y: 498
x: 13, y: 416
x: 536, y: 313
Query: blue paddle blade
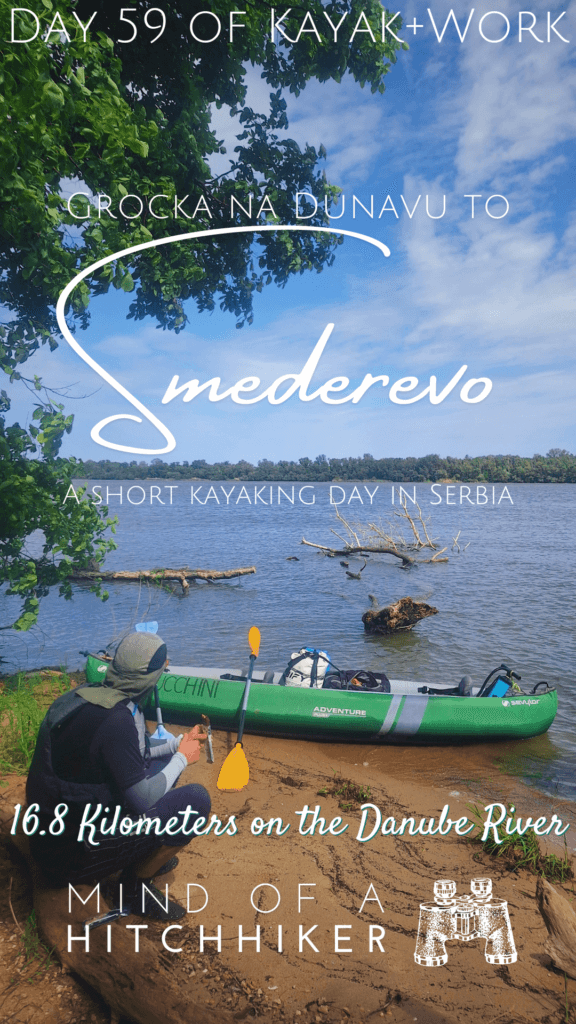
x: 146, y: 627
x: 161, y: 733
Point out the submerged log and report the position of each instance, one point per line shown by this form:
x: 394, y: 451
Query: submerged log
x: 560, y: 920
x: 360, y: 549
x: 402, y: 615
x: 182, y: 576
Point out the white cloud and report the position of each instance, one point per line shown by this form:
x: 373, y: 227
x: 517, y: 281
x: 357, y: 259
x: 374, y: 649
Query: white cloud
x: 518, y: 101
x: 506, y: 287
x: 502, y: 288
x: 317, y: 117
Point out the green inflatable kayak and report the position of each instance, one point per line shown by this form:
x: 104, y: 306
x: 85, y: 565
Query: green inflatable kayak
x: 410, y: 714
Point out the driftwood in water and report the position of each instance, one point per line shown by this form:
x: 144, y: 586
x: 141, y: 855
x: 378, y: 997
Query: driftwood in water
x: 182, y: 576
x: 560, y: 921
x: 379, y: 539
x: 359, y: 550
x: 402, y: 615
x: 143, y: 986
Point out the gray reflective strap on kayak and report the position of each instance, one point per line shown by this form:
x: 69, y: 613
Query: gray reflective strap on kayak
x: 390, y: 715
x: 410, y: 717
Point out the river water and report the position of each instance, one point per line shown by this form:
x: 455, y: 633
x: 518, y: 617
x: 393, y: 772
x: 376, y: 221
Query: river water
x: 508, y: 597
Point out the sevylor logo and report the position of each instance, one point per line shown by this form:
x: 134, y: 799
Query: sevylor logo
x: 507, y: 703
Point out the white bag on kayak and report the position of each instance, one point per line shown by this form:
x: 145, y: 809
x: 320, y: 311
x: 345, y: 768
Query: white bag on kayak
x: 307, y: 667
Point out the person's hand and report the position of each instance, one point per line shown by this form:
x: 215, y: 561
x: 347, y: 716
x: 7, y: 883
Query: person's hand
x: 190, y: 745
x: 199, y: 733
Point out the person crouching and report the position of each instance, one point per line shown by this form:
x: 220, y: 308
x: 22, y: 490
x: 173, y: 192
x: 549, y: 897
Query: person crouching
x: 93, y: 748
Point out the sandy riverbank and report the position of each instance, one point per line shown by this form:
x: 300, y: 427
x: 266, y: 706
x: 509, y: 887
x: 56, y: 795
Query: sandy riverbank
x: 353, y: 885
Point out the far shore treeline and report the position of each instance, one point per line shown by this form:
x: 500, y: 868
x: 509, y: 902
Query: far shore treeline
x: 557, y: 466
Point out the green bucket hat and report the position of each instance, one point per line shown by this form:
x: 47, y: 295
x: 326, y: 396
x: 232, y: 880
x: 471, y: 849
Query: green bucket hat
x: 136, y: 668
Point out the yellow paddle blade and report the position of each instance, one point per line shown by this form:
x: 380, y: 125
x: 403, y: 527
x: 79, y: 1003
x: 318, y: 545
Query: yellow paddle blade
x: 234, y: 773
x: 254, y: 640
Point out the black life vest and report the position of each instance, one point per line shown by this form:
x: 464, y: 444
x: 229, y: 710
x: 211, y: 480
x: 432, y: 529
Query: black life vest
x: 46, y: 788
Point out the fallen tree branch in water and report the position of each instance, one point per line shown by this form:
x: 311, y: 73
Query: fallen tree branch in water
x: 352, y: 550
x: 384, y: 539
x: 184, y: 576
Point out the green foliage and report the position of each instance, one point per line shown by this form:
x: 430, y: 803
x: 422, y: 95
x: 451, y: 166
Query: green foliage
x: 35, y: 952
x: 33, y: 494
x: 23, y: 705
x: 521, y: 851
x: 134, y: 120
x: 349, y: 793
x: 555, y: 467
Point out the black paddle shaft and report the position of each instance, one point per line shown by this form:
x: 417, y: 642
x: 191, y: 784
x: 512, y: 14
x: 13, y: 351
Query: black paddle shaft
x: 245, y: 698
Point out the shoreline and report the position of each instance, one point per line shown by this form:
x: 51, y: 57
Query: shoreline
x: 467, y: 769
x: 339, y: 892
x: 394, y: 873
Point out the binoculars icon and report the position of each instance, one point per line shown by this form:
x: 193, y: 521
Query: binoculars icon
x: 464, y: 917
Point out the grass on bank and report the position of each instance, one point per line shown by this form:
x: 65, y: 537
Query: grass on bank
x: 37, y: 955
x: 24, y: 701
x: 349, y: 794
x: 521, y: 851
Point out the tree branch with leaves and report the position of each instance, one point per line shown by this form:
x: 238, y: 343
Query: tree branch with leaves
x: 135, y: 119
x: 33, y: 496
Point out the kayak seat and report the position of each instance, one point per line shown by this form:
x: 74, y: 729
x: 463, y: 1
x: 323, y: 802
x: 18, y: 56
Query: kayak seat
x: 465, y: 686
x: 268, y: 677
x: 464, y: 689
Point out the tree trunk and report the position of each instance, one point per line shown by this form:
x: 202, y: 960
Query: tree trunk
x: 560, y: 921
x: 148, y: 987
x: 138, y: 986
x: 183, y: 576
x: 402, y: 615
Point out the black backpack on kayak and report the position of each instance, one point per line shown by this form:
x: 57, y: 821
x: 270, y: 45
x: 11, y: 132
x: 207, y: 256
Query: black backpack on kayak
x: 363, y: 679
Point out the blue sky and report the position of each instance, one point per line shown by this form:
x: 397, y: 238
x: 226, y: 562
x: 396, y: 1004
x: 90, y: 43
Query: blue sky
x: 495, y: 294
